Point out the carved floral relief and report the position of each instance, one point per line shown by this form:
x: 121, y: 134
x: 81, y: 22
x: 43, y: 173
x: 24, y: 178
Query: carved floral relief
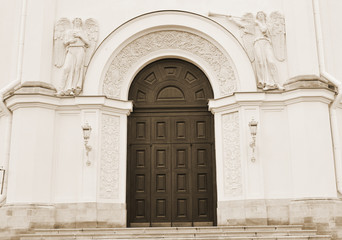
x: 109, y: 170
x: 169, y: 39
x: 231, y: 155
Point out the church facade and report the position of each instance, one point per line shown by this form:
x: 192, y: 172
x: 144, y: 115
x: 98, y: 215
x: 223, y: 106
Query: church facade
x: 169, y: 113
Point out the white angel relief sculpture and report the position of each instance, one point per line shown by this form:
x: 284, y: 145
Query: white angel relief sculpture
x: 73, y: 48
x: 264, y: 41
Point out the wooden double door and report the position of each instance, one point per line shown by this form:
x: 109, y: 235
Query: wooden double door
x: 170, y: 165
x: 171, y: 169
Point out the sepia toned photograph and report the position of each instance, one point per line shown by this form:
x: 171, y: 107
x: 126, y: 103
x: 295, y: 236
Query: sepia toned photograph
x: 170, y: 119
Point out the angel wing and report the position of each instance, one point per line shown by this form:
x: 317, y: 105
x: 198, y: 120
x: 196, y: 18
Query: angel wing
x: 247, y: 34
x: 276, y: 27
x: 61, y: 27
x: 91, y: 29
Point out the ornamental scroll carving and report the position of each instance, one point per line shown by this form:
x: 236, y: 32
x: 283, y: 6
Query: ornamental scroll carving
x: 231, y: 155
x: 109, y: 171
x: 171, y: 39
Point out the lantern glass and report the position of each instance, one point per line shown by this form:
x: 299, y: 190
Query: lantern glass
x: 86, y: 131
x: 253, y: 125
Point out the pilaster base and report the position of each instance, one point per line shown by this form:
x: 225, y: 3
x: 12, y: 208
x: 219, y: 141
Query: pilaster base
x: 325, y: 215
x: 62, y: 215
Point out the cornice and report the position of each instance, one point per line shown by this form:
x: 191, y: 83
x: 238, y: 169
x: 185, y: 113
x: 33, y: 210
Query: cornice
x: 308, y: 82
x: 267, y: 99
x: 236, y: 100
x: 32, y: 100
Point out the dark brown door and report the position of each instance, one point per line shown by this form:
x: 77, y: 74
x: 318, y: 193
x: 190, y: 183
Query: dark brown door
x: 171, y: 178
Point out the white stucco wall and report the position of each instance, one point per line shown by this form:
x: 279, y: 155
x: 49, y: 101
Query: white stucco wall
x: 332, y: 37
x: 9, y: 30
x: 68, y: 157
x: 274, y: 152
x: 112, y: 14
x: 302, y: 57
x: 47, y: 144
x: 4, y: 130
x: 31, y: 156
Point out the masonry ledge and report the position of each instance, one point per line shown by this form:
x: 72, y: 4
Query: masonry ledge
x: 261, y: 99
x: 17, y: 101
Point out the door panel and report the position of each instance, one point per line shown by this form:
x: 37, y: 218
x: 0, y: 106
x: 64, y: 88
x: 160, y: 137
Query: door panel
x: 140, y: 183
x: 201, y: 129
x: 202, y: 177
x: 160, y: 130
x: 181, y: 129
x: 140, y: 132
x: 161, y: 183
x: 181, y: 183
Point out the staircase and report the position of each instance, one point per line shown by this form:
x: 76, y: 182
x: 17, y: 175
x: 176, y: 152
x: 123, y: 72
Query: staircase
x: 292, y: 232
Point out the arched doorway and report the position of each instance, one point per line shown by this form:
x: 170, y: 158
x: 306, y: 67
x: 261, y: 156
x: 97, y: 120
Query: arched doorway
x: 171, y: 167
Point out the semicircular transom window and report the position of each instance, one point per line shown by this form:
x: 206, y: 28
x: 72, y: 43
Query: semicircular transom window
x: 169, y: 83
x: 170, y: 93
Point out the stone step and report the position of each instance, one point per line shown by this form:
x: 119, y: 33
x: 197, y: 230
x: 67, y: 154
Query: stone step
x: 224, y: 232
x: 173, y: 229
x: 185, y: 234
x: 317, y: 237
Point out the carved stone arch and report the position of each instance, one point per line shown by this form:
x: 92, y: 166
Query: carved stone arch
x: 166, y: 34
x: 219, y: 62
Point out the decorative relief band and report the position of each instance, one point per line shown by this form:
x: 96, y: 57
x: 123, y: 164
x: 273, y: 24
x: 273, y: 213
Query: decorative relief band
x: 130, y: 54
x: 231, y: 155
x: 109, y: 172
